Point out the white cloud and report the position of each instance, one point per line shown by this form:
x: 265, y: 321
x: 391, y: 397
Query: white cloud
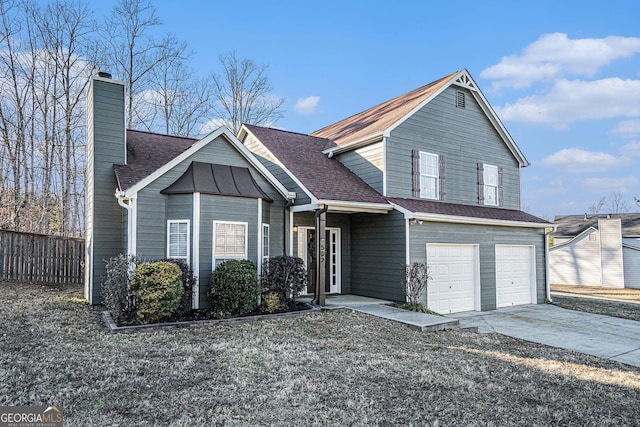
x: 307, y: 105
x: 555, y: 55
x: 631, y: 149
x: 623, y: 185
x: 574, y: 100
x: 627, y: 128
x: 577, y: 160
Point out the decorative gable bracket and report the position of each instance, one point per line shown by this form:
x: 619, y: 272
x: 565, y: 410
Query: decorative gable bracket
x: 464, y: 80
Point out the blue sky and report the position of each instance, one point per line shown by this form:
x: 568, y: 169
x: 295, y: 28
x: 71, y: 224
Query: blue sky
x: 564, y: 76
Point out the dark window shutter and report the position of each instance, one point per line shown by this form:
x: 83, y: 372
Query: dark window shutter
x: 441, y: 177
x: 500, y: 186
x: 415, y: 160
x: 480, y: 183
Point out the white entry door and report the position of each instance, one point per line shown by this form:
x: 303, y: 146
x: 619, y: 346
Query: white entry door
x: 515, y: 275
x: 306, y: 251
x: 454, y: 286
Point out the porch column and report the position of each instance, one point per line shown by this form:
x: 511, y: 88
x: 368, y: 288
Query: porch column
x: 321, y: 257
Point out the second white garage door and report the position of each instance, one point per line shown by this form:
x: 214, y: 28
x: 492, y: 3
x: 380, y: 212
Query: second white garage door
x: 454, y: 284
x: 515, y: 276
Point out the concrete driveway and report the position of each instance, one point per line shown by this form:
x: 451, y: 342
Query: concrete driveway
x: 602, y: 336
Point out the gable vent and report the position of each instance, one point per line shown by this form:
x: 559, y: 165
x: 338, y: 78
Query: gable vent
x: 460, y: 99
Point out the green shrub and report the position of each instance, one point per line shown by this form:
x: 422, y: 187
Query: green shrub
x: 115, y: 287
x: 157, y: 290
x: 188, y: 281
x: 284, y: 276
x: 234, y: 287
x: 271, y: 303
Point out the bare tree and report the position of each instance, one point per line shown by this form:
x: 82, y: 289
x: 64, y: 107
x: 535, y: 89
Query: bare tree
x: 242, y: 94
x: 134, y: 53
x: 596, y: 207
x: 414, y: 281
x: 617, y: 203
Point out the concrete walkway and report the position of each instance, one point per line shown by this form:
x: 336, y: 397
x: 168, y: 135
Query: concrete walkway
x: 381, y: 308
x: 603, y: 336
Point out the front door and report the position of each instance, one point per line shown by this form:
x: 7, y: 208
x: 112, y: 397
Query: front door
x: 306, y: 251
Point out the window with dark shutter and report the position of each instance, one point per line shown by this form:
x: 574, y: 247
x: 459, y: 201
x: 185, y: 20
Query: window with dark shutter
x: 415, y: 160
x: 441, y: 177
x: 480, y: 183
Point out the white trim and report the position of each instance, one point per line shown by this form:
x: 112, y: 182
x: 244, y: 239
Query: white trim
x: 384, y: 166
x: 195, y: 265
x: 213, y: 241
x: 363, y: 142
x: 589, y: 229
x: 346, y: 206
x: 294, y: 178
x: 132, y: 218
x: 426, y: 175
x: 178, y: 221
x: 259, y: 248
x: 533, y: 288
x: 290, y: 251
x: 407, y: 241
x: 266, y: 228
x: 477, y: 286
x: 221, y: 131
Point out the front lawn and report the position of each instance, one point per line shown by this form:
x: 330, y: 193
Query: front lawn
x: 332, y: 368
x: 624, y: 303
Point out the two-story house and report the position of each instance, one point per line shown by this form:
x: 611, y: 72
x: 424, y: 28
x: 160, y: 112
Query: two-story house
x: 431, y: 175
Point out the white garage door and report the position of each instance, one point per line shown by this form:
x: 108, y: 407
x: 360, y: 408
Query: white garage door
x: 515, y: 276
x: 454, y: 279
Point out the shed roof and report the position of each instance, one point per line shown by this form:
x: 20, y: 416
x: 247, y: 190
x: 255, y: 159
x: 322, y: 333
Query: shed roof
x: 211, y: 178
x: 572, y: 225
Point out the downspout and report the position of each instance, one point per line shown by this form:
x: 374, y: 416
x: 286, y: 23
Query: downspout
x: 128, y: 204
x: 546, y: 264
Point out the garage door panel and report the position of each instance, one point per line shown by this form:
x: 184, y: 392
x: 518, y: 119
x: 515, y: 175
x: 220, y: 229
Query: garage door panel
x: 514, y: 275
x: 452, y: 288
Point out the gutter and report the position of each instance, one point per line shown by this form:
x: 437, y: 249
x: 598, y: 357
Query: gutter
x: 128, y: 203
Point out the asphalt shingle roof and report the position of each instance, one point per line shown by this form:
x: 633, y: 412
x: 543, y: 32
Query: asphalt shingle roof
x: 484, y: 212
x: 376, y: 120
x: 147, y: 152
x: 572, y: 225
x: 325, y: 178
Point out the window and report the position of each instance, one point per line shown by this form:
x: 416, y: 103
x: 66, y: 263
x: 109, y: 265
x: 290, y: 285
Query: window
x: 265, y: 242
x: 491, y: 185
x: 460, y: 100
x: 178, y: 239
x: 229, y: 241
x: 429, y: 168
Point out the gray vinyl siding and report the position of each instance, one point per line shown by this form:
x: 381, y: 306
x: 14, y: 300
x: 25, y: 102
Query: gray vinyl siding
x: 105, y: 146
x: 224, y: 208
x: 343, y: 222
x: 378, y: 253
x: 269, y: 162
x: 366, y: 162
x: 464, y: 137
x: 487, y: 237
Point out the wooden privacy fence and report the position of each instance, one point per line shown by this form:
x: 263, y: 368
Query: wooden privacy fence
x: 37, y: 257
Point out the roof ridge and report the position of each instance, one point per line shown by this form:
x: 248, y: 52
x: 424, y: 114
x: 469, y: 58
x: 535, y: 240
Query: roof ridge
x: 161, y: 134
x: 288, y: 131
x: 388, y: 100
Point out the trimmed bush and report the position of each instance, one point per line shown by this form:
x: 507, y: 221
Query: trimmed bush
x: 271, y: 303
x: 115, y: 287
x: 157, y: 290
x: 285, y: 276
x: 187, y: 286
x: 234, y: 287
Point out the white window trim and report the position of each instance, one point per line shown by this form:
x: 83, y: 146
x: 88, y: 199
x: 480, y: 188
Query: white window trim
x: 213, y: 241
x: 485, y: 185
x: 178, y: 221
x: 436, y: 176
x: 265, y: 233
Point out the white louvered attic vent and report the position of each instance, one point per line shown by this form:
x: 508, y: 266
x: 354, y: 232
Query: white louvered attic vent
x: 460, y: 99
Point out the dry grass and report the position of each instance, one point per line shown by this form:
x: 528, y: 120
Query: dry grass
x: 624, y: 303
x: 332, y: 368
